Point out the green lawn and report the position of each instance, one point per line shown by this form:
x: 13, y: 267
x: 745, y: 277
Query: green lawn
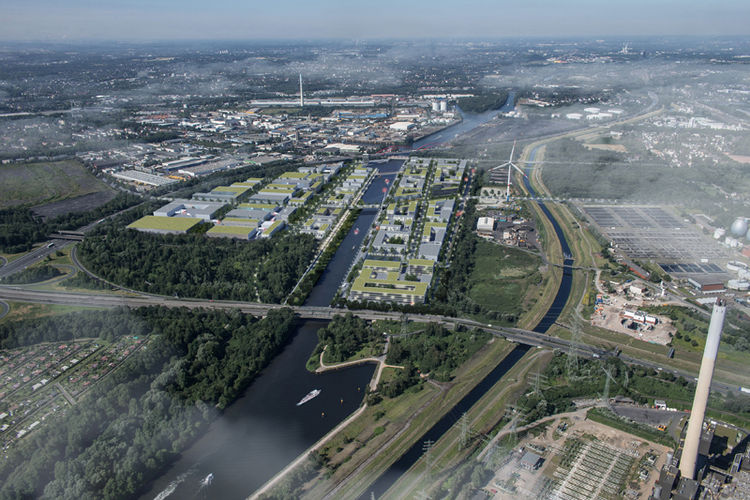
x: 36, y: 183
x: 501, y: 276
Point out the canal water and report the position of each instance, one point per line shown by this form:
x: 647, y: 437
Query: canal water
x: 404, y: 463
x: 264, y: 430
x: 470, y: 121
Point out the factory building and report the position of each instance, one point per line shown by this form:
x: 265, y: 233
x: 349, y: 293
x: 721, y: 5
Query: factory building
x: 485, y: 226
x: 186, y: 208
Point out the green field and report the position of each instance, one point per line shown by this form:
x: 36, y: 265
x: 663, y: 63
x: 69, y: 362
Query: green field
x: 36, y: 183
x: 27, y: 310
x: 501, y: 276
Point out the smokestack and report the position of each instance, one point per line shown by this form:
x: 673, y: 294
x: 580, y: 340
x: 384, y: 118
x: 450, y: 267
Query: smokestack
x: 695, y: 425
x: 301, y: 96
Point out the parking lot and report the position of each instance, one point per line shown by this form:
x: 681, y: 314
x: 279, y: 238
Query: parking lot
x: 648, y: 232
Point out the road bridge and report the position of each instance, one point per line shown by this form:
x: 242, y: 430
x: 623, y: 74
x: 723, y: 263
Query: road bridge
x: 520, y: 335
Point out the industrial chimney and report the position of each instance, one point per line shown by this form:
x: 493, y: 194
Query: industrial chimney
x: 695, y: 425
x: 301, y: 95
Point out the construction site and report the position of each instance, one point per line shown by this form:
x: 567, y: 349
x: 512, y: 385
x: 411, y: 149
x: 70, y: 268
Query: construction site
x: 621, y: 312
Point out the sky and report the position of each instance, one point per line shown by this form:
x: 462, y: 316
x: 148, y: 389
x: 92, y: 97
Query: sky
x: 147, y: 20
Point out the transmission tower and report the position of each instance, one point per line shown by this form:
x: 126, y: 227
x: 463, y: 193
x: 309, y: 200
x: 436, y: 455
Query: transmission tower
x: 463, y: 438
x: 426, y: 449
x: 572, y: 362
x: 607, y: 380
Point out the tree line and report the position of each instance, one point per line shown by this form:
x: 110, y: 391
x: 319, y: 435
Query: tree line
x: 32, y: 275
x: 20, y: 228
x: 345, y: 336
x: 192, y: 265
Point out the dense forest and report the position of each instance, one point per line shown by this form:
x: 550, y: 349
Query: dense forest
x: 32, y: 275
x: 137, y: 420
x: 192, y: 265
x: 560, y: 96
x: 436, y: 350
x: 20, y: 228
x: 482, y: 102
x: 345, y: 336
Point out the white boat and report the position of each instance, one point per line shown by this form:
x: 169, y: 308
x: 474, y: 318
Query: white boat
x: 208, y: 479
x: 310, y: 395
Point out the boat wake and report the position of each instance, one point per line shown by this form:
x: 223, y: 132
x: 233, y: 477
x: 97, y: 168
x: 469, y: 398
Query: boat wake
x: 173, y: 485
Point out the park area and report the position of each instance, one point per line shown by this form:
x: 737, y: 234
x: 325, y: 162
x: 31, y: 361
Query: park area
x: 502, y: 276
x: 34, y: 184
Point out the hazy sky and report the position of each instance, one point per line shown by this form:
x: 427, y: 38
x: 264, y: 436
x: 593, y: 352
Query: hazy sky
x: 250, y: 19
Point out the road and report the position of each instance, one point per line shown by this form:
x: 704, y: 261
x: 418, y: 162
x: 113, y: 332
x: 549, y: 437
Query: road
x: 32, y: 257
x: 528, y: 337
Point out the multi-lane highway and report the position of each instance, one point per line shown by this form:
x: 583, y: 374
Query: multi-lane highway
x: 16, y: 293
x: 32, y: 257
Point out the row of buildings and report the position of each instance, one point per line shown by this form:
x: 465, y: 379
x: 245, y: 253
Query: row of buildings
x: 258, y: 209
x: 410, y: 233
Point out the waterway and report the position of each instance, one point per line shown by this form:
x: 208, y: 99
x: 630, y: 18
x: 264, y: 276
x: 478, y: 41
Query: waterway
x: 470, y: 122
x: 408, y: 459
x: 264, y: 430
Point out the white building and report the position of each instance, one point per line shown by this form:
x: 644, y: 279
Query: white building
x: 402, y: 126
x: 485, y: 225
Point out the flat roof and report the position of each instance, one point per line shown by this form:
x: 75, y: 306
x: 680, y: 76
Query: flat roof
x: 239, y: 230
x: 386, y: 287
x: 160, y: 223
x: 269, y: 206
x: 294, y: 175
x: 230, y: 189
x: 421, y: 262
x: 381, y: 263
x: 241, y: 221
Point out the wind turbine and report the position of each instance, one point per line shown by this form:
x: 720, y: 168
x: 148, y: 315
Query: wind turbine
x: 510, y: 166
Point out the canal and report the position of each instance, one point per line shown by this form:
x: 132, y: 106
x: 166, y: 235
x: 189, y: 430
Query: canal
x: 264, y: 430
x: 410, y: 457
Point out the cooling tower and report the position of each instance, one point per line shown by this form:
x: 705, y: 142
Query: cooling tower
x: 695, y: 425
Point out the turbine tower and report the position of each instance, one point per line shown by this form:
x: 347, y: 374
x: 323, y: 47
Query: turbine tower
x: 510, y: 166
x: 695, y: 425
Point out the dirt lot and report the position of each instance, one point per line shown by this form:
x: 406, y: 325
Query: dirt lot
x: 609, y: 316
x: 77, y: 204
x: 38, y: 183
x: 618, y: 148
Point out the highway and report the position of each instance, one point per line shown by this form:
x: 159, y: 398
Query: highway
x: 32, y: 257
x: 528, y: 337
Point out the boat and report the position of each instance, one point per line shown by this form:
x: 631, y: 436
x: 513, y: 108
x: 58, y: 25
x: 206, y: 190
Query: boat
x: 356, y: 230
x: 310, y: 395
x: 208, y: 479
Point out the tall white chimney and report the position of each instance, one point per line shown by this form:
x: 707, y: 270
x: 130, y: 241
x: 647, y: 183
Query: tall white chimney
x: 301, y: 96
x: 695, y: 425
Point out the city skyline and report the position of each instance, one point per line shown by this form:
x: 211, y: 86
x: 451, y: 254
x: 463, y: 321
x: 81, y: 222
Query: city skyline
x: 229, y: 19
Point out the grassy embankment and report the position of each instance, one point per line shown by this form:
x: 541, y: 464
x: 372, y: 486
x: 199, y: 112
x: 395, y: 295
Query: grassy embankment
x: 367, y: 447
x: 485, y: 418
x: 27, y: 310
